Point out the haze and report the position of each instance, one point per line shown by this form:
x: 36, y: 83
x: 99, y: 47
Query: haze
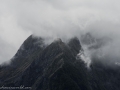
x: 58, y: 19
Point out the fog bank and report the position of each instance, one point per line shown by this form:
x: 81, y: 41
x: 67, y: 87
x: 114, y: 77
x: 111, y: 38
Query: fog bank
x: 60, y: 19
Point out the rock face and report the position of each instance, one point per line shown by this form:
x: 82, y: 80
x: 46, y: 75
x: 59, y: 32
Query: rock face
x: 53, y: 67
x: 27, y: 53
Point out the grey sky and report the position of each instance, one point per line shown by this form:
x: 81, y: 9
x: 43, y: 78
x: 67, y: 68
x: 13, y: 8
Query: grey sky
x: 57, y: 18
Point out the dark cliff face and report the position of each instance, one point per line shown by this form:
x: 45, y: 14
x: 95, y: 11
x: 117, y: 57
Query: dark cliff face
x: 45, y: 67
x: 27, y: 53
x: 28, y: 49
x: 54, y: 67
x: 74, y: 45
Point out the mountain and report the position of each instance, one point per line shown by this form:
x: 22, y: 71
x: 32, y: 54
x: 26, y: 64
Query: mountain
x: 55, y: 67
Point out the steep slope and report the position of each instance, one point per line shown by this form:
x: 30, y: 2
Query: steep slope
x: 103, y: 77
x: 62, y: 74
x: 31, y: 47
x: 103, y: 74
x: 53, y: 67
x: 74, y: 45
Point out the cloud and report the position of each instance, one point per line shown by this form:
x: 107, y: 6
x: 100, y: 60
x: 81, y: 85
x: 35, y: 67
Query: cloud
x: 56, y: 18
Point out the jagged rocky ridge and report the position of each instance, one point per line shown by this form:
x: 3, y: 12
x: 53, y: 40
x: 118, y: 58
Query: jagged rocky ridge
x: 55, y: 67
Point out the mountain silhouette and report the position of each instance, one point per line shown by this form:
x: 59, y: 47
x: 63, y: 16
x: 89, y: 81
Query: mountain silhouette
x: 55, y: 67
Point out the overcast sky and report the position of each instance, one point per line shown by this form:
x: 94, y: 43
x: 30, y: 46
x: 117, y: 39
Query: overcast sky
x: 57, y: 18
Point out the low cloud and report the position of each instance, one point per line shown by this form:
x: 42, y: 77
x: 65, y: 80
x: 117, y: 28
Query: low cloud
x: 58, y: 19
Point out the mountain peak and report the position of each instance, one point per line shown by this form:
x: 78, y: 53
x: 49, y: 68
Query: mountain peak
x: 74, y: 44
x: 55, y: 67
x: 31, y: 43
x: 58, y: 40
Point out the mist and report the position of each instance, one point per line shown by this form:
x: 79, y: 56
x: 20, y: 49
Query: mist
x: 61, y: 19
